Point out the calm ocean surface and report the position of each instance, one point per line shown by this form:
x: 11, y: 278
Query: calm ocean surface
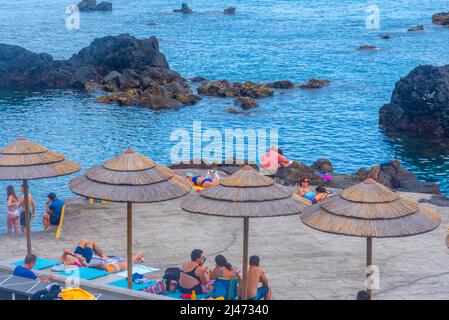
x: 264, y: 41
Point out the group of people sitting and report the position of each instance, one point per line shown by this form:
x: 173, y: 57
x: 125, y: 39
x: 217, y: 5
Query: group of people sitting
x: 196, y: 276
x: 304, y: 190
x: 16, y: 210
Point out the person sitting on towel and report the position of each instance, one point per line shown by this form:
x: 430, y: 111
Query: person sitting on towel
x: 255, y: 276
x: 194, y: 275
x: 89, y: 254
x: 24, y: 270
x: 212, y: 178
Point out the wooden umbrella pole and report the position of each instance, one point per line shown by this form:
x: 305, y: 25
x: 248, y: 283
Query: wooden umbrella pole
x: 130, y: 243
x: 369, y: 262
x: 27, y: 214
x: 245, y: 257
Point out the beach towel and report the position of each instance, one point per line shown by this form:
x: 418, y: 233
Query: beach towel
x: 123, y: 283
x: 41, y: 263
x: 177, y: 295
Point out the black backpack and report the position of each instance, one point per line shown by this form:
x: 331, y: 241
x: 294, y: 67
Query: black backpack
x: 51, y: 293
x: 172, y: 274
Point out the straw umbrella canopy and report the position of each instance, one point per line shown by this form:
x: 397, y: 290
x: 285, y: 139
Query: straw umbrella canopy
x: 245, y: 194
x: 130, y: 178
x: 26, y: 160
x: 370, y: 210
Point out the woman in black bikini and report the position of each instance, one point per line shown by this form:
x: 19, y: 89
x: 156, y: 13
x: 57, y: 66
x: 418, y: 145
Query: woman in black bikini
x: 193, y: 274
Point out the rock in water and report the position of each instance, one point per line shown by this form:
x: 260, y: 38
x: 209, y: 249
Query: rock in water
x: 104, y: 6
x: 198, y: 79
x: 87, y: 5
x: 246, y: 103
x: 420, y: 104
x: 230, y: 10
x: 134, y: 70
x: 368, y: 47
x: 91, y: 5
x: 441, y: 18
x: 416, y: 28
x: 396, y: 177
x: 223, y: 88
x: 281, y: 84
x: 315, y: 84
x: 184, y: 9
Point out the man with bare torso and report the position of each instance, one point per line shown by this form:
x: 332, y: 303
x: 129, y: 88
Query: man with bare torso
x: 256, y: 275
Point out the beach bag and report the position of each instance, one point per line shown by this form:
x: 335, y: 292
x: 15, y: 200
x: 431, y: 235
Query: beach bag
x: 76, y: 294
x: 172, y: 274
x: 157, y: 288
x: 50, y: 293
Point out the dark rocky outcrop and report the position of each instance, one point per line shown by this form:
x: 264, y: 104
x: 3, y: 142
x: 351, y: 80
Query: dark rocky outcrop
x: 134, y: 70
x: 396, y: 177
x: 281, y: 84
x: 416, y: 28
x: 419, y: 104
x: 91, y: 5
x: 367, y: 47
x: 184, y: 9
x: 323, y: 166
x: 230, y: 10
x: 385, y: 37
x: 224, y: 88
x: 441, y: 18
x: 246, y: 103
x: 314, y: 84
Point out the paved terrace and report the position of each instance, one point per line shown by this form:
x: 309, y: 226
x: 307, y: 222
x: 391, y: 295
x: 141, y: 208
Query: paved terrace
x: 301, y: 263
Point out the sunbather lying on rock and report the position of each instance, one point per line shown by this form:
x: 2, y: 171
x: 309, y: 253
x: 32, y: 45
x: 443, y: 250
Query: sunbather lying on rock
x: 89, y: 254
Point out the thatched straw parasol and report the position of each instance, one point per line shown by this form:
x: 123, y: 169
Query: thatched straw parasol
x: 131, y: 178
x: 245, y: 194
x: 25, y: 160
x: 371, y: 210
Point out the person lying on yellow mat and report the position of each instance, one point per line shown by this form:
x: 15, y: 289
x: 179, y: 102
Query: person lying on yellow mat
x: 211, y: 179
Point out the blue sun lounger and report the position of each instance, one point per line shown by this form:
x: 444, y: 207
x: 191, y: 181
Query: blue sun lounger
x: 84, y: 273
x: 41, y: 263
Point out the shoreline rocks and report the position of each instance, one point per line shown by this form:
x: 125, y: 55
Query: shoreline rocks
x: 133, y: 70
x: 91, y: 5
x: 246, y: 103
x: 281, y: 84
x: 419, y: 104
x: 391, y: 174
x: 313, y: 83
x: 441, y: 18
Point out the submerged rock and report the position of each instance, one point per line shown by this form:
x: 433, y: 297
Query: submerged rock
x: 246, y: 103
x: 368, y: 47
x: 281, y: 84
x: 419, y: 104
x: 134, y: 70
x: 386, y: 37
x: 416, y: 28
x: 91, y: 5
x: 198, y: 79
x: 230, y: 10
x: 441, y: 18
x: 223, y: 88
x: 315, y: 84
x: 184, y: 9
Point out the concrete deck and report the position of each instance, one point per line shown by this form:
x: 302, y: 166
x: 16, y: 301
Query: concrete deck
x: 301, y: 263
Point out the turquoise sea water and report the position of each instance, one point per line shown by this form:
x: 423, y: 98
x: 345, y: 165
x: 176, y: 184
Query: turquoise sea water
x: 264, y: 41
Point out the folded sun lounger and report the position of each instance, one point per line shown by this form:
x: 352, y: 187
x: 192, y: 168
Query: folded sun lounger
x: 123, y: 283
x: 84, y: 273
x: 41, y: 263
